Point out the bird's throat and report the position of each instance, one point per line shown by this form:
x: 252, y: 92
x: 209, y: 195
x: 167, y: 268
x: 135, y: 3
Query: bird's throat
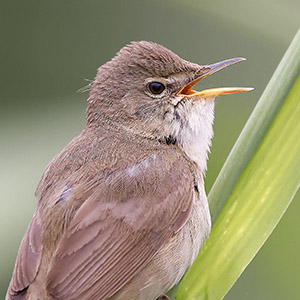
x: 194, y: 132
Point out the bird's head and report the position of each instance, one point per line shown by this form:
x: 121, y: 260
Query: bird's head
x: 147, y: 89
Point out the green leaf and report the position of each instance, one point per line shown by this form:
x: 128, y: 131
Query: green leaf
x: 261, y: 176
x: 274, y: 95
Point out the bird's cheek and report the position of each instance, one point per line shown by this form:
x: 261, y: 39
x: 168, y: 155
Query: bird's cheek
x: 128, y: 104
x: 169, y: 114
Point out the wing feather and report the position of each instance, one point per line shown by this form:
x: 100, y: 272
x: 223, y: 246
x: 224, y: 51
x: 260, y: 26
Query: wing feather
x: 120, y: 227
x: 27, y: 261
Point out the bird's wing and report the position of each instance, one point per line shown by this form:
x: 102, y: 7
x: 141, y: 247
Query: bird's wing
x: 27, y: 262
x: 118, y: 229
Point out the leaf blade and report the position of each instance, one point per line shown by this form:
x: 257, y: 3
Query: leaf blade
x: 253, y: 209
x: 274, y: 95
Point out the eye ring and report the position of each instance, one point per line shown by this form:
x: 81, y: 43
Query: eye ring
x: 156, y: 87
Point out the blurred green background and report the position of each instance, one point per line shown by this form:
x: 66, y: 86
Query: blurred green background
x: 49, y: 48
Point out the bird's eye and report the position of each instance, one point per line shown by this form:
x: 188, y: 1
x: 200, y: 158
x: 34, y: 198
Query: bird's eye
x: 156, y: 87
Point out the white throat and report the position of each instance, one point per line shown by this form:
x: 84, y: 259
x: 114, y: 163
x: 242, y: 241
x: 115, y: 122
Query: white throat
x: 194, y: 130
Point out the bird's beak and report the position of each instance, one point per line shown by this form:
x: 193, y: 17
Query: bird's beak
x: 211, y: 93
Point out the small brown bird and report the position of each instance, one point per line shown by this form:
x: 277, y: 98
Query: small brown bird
x: 122, y: 210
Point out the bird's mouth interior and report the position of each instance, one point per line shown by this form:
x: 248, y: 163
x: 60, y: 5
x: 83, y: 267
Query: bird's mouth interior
x: 187, y: 91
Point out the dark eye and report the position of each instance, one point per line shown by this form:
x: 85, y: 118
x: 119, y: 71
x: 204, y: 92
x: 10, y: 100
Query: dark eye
x: 156, y: 87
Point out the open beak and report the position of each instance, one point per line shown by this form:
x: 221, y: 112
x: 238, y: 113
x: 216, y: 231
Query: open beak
x: 211, y: 93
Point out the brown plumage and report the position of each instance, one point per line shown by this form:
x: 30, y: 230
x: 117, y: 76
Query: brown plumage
x: 122, y: 210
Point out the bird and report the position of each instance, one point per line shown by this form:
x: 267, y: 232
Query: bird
x: 122, y: 210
